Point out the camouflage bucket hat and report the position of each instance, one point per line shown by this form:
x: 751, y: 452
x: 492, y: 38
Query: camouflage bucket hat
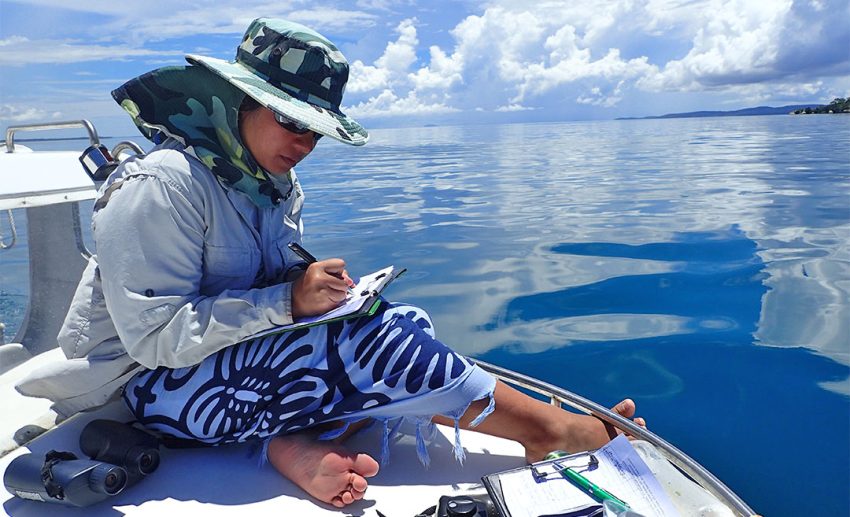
x: 294, y: 71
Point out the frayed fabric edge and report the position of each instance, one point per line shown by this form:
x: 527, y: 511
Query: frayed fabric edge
x: 424, y: 429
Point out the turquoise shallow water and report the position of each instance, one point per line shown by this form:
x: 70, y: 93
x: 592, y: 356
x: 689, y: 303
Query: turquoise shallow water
x: 699, y: 266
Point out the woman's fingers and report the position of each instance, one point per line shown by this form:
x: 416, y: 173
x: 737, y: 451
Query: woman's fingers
x: 337, y: 294
x: 336, y: 268
x: 323, y: 287
x: 347, y: 278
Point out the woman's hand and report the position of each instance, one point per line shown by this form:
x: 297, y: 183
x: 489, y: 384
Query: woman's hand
x: 322, y: 287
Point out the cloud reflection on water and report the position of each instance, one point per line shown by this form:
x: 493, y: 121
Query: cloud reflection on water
x: 495, y: 214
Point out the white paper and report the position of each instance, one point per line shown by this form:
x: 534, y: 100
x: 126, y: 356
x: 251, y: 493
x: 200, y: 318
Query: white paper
x: 360, y: 293
x: 621, y: 472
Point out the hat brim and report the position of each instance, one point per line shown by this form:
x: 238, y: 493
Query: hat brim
x: 321, y: 120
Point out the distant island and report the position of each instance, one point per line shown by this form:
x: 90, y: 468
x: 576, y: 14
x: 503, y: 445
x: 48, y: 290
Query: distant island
x: 836, y: 106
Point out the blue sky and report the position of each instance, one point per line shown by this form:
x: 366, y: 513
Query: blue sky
x: 440, y: 62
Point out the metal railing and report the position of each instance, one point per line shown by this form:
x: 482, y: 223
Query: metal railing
x: 11, y: 130
x: 558, y: 396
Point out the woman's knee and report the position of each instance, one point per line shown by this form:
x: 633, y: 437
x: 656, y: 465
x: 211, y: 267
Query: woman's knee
x: 414, y: 314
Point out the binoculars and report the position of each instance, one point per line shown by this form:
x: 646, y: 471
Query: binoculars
x: 121, y: 456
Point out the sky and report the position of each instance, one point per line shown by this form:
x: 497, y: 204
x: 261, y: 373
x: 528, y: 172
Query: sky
x: 415, y: 63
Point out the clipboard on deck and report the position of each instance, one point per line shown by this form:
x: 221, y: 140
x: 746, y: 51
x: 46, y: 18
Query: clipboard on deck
x: 492, y: 483
x: 546, y: 488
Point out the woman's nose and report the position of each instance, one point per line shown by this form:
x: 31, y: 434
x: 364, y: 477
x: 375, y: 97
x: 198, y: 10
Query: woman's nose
x: 306, y: 142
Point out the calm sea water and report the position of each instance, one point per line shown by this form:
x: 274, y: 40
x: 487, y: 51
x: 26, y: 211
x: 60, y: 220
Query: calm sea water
x: 699, y: 266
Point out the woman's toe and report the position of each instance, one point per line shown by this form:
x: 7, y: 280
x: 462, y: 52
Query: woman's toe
x: 358, y: 483
x: 626, y: 408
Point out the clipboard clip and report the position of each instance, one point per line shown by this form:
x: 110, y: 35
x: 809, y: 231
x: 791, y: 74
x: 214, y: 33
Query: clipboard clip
x: 540, y: 476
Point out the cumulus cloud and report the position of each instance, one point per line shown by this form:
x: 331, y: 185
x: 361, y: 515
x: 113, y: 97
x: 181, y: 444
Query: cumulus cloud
x: 554, y: 54
x: 442, y: 72
x: 595, y: 53
x: 400, y: 90
x: 365, y: 78
x: 391, y: 67
x: 525, y: 54
x: 741, y: 42
x: 388, y: 103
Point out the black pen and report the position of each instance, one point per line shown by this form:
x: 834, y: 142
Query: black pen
x: 305, y: 255
x: 301, y: 252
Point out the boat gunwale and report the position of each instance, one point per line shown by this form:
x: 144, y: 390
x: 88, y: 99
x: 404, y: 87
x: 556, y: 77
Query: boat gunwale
x: 686, y: 464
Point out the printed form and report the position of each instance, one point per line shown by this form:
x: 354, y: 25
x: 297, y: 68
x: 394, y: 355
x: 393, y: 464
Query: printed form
x: 621, y: 472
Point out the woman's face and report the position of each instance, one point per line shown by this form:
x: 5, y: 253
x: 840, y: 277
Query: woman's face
x: 276, y: 149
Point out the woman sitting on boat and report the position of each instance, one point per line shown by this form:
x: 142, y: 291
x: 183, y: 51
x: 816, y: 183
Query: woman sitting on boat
x: 192, y: 261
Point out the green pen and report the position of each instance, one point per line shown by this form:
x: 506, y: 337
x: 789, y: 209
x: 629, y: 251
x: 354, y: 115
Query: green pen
x: 594, y: 490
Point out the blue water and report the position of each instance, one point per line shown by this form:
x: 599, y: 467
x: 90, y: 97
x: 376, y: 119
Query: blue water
x: 699, y: 266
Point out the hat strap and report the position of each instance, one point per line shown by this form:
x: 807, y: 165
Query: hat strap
x: 284, y: 78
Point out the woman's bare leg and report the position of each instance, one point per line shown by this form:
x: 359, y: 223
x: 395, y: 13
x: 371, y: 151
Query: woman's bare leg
x: 538, y: 426
x: 334, y: 475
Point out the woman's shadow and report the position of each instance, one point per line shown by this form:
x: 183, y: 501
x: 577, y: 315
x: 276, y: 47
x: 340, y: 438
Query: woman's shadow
x: 235, y: 476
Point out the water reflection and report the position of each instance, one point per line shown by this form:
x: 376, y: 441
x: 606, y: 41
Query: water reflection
x: 699, y: 265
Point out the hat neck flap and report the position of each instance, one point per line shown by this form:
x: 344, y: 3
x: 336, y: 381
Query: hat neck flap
x: 201, y: 110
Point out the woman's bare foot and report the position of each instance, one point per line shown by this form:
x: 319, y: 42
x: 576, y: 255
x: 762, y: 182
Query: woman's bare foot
x: 576, y: 433
x: 325, y: 470
x: 538, y: 426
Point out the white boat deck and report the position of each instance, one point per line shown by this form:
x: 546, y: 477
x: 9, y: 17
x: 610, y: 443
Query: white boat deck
x: 229, y: 480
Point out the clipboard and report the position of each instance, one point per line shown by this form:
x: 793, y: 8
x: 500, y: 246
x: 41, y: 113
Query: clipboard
x: 493, y: 485
x: 364, y: 301
x: 543, y: 488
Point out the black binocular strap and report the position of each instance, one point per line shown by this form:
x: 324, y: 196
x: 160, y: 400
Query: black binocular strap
x: 51, y: 459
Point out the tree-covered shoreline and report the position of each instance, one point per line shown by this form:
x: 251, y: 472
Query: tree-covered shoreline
x: 838, y: 105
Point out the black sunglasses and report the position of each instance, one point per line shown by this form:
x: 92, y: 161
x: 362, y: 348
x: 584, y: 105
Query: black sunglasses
x: 294, y: 126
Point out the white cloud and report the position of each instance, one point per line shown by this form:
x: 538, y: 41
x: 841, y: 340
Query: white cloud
x: 442, y: 72
x: 136, y: 23
x: 513, y: 107
x: 740, y: 42
x: 597, y: 97
x: 388, y: 103
x: 533, y: 53
x: 19, y: 51
x: 12, y: 41
x: 365, y: 78
x: 400, y: 54
x: 17, y: 114
x: 327, y: 18
x: 614, y: 45
x: 553, y: 54
x: 391, y: 67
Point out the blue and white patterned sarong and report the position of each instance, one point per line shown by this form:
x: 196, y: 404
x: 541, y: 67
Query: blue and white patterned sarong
x: 388, y: 367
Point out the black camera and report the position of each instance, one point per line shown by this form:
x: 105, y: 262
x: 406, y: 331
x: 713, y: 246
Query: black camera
x: 121, y: 444
x: 59, y: 477
x: 464, y: 506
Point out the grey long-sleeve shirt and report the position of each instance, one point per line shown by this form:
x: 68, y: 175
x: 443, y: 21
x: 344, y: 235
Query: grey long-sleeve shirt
x: 185, y: 266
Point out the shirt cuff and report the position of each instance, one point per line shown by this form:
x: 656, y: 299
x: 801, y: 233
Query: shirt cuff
x: 279, y: 307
